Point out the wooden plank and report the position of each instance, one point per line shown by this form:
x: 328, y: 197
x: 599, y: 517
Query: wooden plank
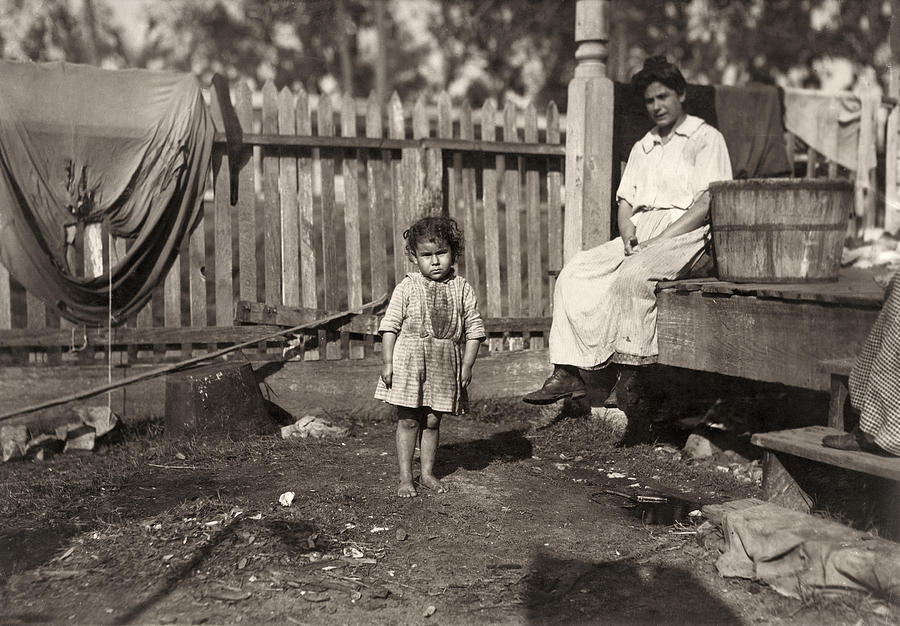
x: 807, y: 443
x: 5, y: 299
x: 271, y: 210
x: 467, y: 195
x: 351, y: 209
x: 426, y: 169
x: 172, y: 295
x: 436, y: 143
x: 308, y: 261
x: 892, y: 134
x: 554, y: 202
x: 308, y: 292
x: 812, y: 159
x: 854, y: 287
x: 352, y: 239
x: 258, y: 313
x: 512, y: 190
x: 329, y: 221
x: 445, y: 131
x: 222, y: 242
x: 375, y: 182
x: 197, y: 273
x: 418, y: 164
x: 533, y: 228
x: 290, y: 216
x: 768, y: 340
x: 397, y: 130
x: 489, y: 175
x: 246, y: 206
x: 328, y: 209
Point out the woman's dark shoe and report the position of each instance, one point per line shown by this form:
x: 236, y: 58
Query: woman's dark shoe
x: 856, y: 440
x: 560, y: 385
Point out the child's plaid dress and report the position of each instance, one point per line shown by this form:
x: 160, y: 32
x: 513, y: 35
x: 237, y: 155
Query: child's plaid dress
x: 432, y: 319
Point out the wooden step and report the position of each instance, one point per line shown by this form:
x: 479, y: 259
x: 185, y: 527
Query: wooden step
x: 807, y: 443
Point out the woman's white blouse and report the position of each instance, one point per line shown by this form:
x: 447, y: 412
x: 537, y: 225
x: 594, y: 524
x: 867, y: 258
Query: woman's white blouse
x: 672, y: 174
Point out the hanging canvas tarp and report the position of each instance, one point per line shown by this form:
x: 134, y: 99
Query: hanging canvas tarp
x: 82, y: 144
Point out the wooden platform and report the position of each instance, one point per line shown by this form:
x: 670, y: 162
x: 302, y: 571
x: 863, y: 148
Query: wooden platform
x: 770, y: 332
x: 807, y: 443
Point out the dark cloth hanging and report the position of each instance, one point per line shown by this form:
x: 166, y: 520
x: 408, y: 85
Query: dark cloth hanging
x: 82, y: 144
x: 751, y: 118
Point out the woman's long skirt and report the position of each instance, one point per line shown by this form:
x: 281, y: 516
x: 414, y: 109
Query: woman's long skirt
x: 604, y: 305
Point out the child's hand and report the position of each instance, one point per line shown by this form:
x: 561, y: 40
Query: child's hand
x: 465, y: 375
x: 387, y: 374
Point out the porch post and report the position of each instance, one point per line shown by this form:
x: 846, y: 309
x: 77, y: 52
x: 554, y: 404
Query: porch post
x: 891, y: 196
x: 589, y: 128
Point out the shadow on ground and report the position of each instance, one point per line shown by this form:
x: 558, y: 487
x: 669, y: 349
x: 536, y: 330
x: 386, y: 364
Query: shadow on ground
x: 508, y: 446
x: 565, y: 591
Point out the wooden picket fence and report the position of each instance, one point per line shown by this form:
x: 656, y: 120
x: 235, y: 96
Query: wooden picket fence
x: 326, y: 190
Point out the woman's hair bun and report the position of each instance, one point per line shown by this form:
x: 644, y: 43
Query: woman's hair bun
x: 657, y: 62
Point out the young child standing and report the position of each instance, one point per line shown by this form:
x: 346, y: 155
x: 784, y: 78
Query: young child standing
x: 425, y: 372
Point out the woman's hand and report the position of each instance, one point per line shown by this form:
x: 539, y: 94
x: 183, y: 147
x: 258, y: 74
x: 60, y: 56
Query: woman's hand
x: 465, y: 375
x: 629, y: 237
x: 387, y: 374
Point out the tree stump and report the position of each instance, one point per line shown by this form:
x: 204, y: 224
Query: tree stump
x: 222, y: 397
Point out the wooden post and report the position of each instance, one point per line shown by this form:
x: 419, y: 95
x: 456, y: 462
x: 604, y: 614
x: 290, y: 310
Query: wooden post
x: 589, y: 128
x: 891, y: 195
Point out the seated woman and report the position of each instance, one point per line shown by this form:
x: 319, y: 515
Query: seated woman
x: 604, y: 306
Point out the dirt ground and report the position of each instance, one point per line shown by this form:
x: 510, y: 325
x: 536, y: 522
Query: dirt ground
x: 154, y: 529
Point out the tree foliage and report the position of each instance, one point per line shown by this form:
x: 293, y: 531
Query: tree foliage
x: 472, y: 48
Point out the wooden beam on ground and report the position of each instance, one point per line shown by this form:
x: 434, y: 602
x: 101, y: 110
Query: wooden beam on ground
x: 294, y: 385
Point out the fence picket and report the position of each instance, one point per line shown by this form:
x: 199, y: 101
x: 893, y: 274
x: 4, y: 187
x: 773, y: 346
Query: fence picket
x: 307, y: 219
x: 222, y: 245
x: 467, y: 197
x: 452, y: 179
x: 490, y: 176
x: 287, y: 188
x: 308, y: 289
x: 352, y: 239
x: 246, y: 206
x: 554, y: 204
x: 397, y: 130
x: 533, y: 225
x: 325, y: 118
x: 374, y: 186
x: 271, y: 210
x: 512, y: 190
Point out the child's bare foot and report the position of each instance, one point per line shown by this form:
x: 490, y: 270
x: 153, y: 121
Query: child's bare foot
x: 407, y: 489
x: 432, y: 483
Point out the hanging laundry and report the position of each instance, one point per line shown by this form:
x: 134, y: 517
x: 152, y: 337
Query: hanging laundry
x: 839, y: 126
x: 750, y: 119
x: 80, y: 144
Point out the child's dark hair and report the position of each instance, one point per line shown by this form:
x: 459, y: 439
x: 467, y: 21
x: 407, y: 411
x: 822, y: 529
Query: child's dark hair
x: 437, y: 229
x: 658, y: 70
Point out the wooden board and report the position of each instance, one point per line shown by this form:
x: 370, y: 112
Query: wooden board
x: 854, y: 287
x: 807, y: 443
x: 761, y: 339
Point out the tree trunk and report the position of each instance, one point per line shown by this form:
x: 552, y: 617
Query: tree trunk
x: 344, y: 48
